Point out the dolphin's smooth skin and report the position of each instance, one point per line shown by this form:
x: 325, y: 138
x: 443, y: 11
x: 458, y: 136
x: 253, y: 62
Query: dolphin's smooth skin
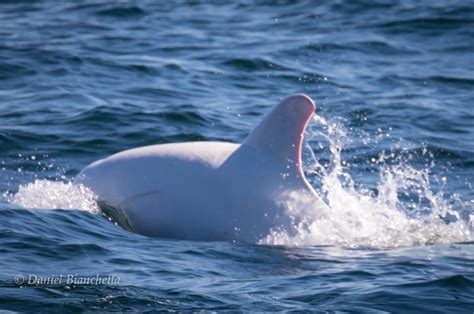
x: 209, y: 190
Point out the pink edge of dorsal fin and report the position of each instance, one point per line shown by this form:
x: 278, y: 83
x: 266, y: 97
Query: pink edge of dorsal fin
x: 280, y: 134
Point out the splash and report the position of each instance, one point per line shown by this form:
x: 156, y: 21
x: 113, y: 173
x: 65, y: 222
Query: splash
x: 403, y: 209
x: 46, y: 194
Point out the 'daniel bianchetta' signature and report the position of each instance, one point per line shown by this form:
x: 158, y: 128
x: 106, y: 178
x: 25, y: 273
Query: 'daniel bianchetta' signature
x: 66, y: 279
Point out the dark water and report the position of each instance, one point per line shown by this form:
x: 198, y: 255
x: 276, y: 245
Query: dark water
x: 393, y: 141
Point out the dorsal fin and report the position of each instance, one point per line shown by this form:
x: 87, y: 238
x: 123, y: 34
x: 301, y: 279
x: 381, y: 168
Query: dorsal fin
x: 280, y: 134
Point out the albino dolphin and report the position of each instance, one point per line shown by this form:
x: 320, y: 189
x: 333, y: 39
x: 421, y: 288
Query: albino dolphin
x: 208, y: 190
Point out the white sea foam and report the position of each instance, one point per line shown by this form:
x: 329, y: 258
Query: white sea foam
x: 46, y: 194
x: 404, y: 210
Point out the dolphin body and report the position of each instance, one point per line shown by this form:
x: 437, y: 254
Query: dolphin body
x: 208, y: 190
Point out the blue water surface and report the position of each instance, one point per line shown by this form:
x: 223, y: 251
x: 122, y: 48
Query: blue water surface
x: 80, y: 80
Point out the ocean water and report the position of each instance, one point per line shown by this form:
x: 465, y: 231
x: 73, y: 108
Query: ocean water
x: 390, y: 151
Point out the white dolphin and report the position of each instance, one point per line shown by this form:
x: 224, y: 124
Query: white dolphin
x: 208, y: 190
